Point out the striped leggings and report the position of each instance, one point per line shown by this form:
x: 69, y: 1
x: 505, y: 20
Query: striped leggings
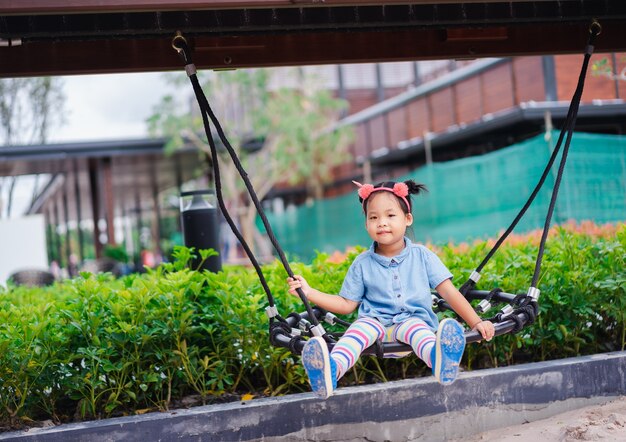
x: 365, y: 331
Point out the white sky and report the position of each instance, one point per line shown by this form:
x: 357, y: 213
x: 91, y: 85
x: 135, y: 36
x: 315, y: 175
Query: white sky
x: 104, y: 107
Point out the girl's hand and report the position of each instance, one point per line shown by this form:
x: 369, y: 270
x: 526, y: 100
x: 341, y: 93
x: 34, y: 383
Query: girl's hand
x: 486, y: 329
x: 298, y: 282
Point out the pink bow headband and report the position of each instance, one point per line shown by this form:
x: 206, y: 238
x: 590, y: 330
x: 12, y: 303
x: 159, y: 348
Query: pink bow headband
x: 401, y: 190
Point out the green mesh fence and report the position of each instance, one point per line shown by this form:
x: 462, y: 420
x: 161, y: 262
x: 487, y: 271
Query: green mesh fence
x: 477, y: 197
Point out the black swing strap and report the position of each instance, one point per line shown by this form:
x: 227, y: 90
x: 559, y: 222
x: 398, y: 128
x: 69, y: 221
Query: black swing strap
x: 180, y: 44
x: 594, y: 31
x: 568, y: 128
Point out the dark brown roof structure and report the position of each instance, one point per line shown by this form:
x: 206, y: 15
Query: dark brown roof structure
x: 59, y: 37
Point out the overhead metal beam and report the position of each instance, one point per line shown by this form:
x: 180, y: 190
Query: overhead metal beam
x: 69, y: 37
x: 81, y: 6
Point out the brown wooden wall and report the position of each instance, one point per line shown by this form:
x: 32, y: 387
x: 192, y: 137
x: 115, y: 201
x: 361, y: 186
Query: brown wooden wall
x: 417, y: 111
x: 441, y: 110
x: 504, y: 86
x: 360, y: 99
x: 529, y: 81
x: 468, y: 103
x: 621, y: 70
x: 497, y: 89
x: 597, y: 87
x: 398, y: 120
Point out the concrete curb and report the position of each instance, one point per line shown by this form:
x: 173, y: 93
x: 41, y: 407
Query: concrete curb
x: 408, y: 410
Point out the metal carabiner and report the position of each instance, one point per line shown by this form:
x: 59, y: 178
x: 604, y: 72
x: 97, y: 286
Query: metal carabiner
x: 595, y: 27
x: 178, y: 37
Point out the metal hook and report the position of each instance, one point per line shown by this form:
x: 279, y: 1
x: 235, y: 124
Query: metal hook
x: 178, y: 37
x: 595, y: 27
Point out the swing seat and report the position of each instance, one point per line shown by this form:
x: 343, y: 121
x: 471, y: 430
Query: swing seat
x: 511, y: 318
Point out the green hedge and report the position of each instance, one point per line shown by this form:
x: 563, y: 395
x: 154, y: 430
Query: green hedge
x: 96, y: 346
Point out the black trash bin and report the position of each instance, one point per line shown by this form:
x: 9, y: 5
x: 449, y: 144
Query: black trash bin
x: 200, y: 221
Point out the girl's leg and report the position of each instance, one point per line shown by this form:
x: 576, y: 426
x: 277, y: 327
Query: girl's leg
x: 360, y: 335
x: 419, y: 336
x: 442, y: 351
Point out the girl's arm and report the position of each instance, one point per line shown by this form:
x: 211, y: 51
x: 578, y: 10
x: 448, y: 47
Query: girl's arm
x: 459, y: 304
x: 332, y: 303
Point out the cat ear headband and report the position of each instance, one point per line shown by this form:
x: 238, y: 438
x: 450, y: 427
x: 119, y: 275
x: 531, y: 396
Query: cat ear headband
x: 401, y: 190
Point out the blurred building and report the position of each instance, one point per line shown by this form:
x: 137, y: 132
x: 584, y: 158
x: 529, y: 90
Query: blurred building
x: 409, y: 114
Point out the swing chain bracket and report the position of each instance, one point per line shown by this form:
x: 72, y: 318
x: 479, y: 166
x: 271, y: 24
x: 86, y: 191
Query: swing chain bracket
x: 506, y: 310
x: 533, y: 293
x: 595, y: 27
x: 304, y: 325
x: 180, y: 44
x: 271, y: 311
x: 178, y: 38
x: 483, y: 306
x: 475, y: 276
x: 330, y: 318
x: 318, y: 330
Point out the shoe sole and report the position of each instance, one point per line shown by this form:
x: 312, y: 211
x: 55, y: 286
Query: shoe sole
x: 450, y: 345
x: 316, y: 361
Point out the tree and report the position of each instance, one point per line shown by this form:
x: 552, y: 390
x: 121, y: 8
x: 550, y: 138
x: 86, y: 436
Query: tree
x: 289, y: 129
x: 29, y: 107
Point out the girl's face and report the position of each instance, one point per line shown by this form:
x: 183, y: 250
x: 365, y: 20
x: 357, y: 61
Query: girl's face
x: 386, y: 223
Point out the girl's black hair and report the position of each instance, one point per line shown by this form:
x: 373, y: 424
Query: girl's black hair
x: 414, y: 189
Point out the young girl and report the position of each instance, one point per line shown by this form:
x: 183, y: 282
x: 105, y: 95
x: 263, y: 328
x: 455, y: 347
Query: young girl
x: 390, y: 284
